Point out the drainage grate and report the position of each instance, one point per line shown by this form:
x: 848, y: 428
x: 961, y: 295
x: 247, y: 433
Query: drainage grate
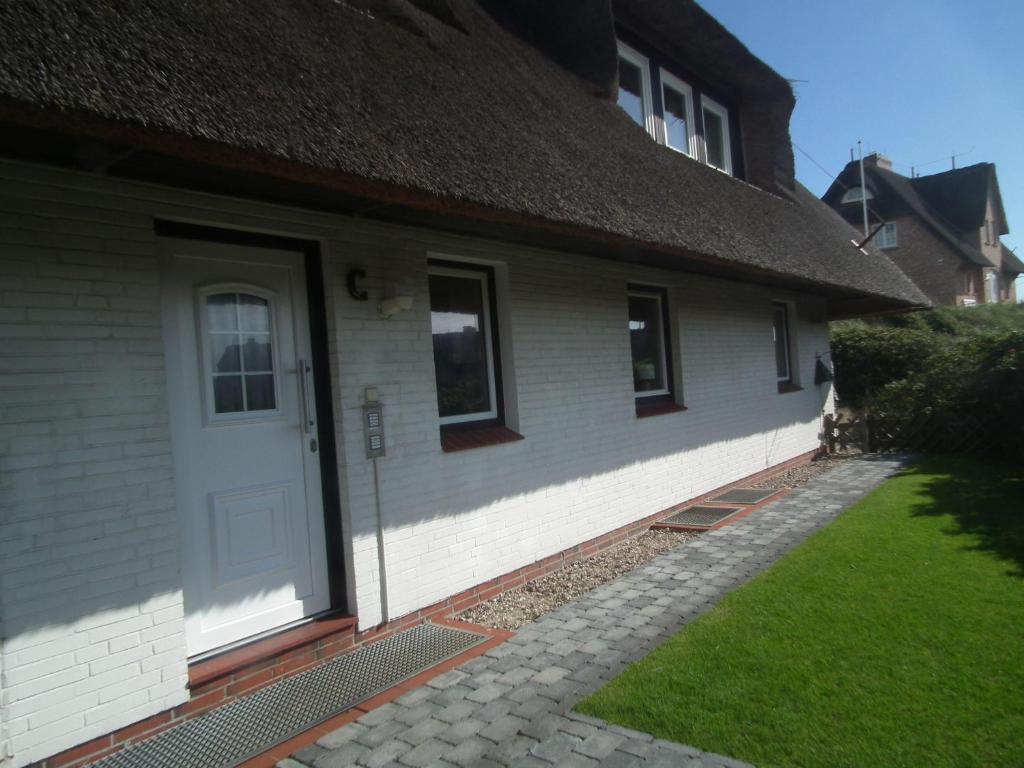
x: 743, y: 496
x: 700, y: 517
x: 248, y: 726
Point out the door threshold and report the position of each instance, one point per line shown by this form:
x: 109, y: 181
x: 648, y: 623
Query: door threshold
x: 222, y: 662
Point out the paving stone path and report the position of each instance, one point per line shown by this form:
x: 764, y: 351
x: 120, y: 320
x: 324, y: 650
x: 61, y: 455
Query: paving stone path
x: 513, y: 705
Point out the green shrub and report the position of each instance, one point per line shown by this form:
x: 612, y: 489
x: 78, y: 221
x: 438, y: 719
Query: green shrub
x: 957, y: 365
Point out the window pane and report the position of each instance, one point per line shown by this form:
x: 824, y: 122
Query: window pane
x: 222, y: 312
x: 259, y: 392
x: 460, y: 345
x: 254, y: 313
x: 224, y: 351
x: 676, y: 130
x: 256, y: 352
x: 631, y: 90
x: 646, y: 339
x: 227, y: 394
x: 781, y: 344
x: 714, y: 136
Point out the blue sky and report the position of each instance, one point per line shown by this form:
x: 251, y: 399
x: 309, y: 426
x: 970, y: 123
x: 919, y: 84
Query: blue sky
x: 918, y: 80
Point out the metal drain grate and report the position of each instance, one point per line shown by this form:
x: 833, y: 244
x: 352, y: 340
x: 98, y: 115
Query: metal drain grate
x: 248, y: 726
x: 743, y: 496
x: 700, y: 517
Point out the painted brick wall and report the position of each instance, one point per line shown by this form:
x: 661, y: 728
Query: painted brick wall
x: 91, y: 606
x: 587, y: 464
x: 89, y: 582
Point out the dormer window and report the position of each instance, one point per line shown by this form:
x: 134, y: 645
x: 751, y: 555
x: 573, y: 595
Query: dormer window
x: 855, y: 195
x: 635, y: 87
x: 670, y: 119
x: 677, y: 102
x: 717, y: 149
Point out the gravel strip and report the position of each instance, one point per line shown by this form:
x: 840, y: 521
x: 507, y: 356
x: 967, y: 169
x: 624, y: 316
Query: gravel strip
x: 516, y: 607
x: 797, y: 476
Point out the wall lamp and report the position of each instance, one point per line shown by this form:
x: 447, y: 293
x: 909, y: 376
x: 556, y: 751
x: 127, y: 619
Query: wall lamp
x: 388, y: 308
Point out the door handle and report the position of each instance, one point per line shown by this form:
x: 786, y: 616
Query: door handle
x: 308, y: 400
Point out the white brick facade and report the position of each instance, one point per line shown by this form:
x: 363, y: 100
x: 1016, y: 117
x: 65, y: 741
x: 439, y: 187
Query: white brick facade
x: 90, y: 591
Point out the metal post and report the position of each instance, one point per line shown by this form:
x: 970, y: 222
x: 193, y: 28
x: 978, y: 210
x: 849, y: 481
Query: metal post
x: 863, y: 189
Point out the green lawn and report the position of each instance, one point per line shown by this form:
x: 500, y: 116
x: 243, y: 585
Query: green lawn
x: 893, y: 637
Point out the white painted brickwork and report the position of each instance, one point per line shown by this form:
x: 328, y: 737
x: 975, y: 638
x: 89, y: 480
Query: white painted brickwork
x: 89, y: 582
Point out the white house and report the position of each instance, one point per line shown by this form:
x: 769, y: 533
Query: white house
x: 316, y: 317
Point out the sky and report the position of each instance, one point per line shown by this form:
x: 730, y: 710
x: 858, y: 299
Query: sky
x: 917, y: 80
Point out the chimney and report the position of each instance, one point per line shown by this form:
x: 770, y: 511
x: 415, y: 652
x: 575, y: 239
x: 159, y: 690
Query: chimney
x: 879, y: 160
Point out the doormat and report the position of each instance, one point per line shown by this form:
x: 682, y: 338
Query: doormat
x: 743, y: 496
x: 253, y: 724
x: 698, y: 517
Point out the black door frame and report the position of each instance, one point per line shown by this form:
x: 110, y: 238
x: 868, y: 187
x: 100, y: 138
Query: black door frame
x: 316, y: 300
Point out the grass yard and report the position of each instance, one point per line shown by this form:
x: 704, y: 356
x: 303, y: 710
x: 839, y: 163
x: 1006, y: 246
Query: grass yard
x: 893, y: 637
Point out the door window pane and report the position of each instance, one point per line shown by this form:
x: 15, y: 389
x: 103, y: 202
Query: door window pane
x: 647, y: 342
x: 259, y: 392
x: 256, y: 352
x: 224, y: 353
x: 631, y: 97
x: 241, y: 353
x: 254, y: 313
x: 227, y: 394
x: 677, y: 132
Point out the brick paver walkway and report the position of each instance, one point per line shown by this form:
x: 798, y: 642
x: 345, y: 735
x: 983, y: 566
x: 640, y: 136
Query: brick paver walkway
x: 512, y: 706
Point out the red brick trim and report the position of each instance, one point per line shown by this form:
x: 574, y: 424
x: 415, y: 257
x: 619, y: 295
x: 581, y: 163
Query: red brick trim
x: 644, y: 410
x: 788, y: 386
x: 219, y: 690
x: 467, y: 439
x: 273, y: 648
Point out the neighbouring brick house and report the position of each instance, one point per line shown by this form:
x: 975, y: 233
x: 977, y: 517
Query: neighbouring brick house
x: 318, y: 316
x: 942, y: 230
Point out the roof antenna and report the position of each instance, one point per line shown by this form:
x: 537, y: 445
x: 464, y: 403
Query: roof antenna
x: 863, y: 189
x: 953, y: 159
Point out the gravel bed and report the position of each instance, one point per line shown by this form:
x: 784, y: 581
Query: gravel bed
x: 797, y: 476
x: 516, y: 607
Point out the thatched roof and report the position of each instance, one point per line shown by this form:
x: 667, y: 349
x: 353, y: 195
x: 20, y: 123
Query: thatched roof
x: 439, y: 105
x: 887, y: 184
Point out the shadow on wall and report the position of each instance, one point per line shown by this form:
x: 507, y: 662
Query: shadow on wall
x: 982, y: 504
x: 457, y: 484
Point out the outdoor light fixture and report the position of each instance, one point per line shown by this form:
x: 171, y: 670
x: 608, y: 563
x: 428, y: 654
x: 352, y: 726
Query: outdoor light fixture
x: 822, y: 373
x: 388, y: 308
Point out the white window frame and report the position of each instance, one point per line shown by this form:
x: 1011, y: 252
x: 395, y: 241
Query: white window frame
x: 637, y: 59
x: 655, y: 293
x: 483, y: 278
x: 709, y: 104
x: 670, y: 81
x: 855, y: 195
x: 776, y: 306
x: 887, y: 237
x: 211, y: 417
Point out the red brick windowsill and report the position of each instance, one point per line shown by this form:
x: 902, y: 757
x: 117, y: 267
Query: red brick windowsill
x: 467, y: 439
x: 788, y: 386
x: 644, y: 410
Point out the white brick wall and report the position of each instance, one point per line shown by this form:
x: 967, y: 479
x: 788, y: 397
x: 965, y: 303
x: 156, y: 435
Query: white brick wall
x: 89, y: 585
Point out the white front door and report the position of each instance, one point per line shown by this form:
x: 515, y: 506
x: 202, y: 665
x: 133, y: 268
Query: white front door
x: 236, y: 332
